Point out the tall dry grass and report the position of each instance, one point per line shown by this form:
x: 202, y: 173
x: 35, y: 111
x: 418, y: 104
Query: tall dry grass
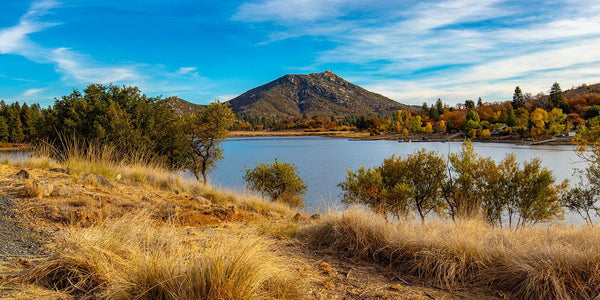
x: 532, y: 263
x: 133, y: 258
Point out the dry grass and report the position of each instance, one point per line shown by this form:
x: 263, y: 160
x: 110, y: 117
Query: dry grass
x: 531, y: 263
x: 31, y: 189
x: 133, y: 258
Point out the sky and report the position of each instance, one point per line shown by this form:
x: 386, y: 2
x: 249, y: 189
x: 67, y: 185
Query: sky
x: 410, y: 51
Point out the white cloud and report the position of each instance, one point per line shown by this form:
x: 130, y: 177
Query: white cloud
x: 455, y: 48
x: 32, y: 92
x: 289, y: 11
x: 187, y: 70
x: 84, y: 69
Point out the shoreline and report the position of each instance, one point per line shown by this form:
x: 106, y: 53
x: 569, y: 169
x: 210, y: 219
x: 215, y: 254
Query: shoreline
x: 420, y: 138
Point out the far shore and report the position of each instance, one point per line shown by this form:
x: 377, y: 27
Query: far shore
x: 546, y: 140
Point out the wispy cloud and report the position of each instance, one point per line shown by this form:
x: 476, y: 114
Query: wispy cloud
x: 76, y: 67
x: 187, y: 70
x: 451, y: 48
x: 32, y: 92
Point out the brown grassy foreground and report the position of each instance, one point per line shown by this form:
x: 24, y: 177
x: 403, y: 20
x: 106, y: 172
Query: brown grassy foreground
x: 532, y: 263
x: 151, y: 234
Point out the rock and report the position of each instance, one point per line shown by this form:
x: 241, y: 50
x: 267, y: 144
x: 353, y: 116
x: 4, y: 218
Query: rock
x: 23, y: 174
x: 59, y: 170
x: 315, y: 217
x: 97, y: 179
x: 44, y: 187
x: 60, y: 191
x: 299, y: 217
x: 202, y: 200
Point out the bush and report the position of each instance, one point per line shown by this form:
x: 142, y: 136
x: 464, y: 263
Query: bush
x: 279, y: 181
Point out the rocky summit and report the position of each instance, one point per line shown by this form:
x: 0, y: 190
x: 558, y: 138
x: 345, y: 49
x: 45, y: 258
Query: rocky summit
x: 318, y: 94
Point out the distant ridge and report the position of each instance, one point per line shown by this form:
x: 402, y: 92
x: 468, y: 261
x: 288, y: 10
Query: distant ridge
x: 317, y: 94
x: 181, y: 107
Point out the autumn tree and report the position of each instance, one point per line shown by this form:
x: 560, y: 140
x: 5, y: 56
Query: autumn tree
x: 279, y: 181
x: 538, y: 119
x: 206, y: 130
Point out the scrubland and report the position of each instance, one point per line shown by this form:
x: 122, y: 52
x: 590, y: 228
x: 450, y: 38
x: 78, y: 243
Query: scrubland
x: 140, y: 231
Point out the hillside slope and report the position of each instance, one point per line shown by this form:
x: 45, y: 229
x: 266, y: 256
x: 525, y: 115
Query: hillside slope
x: 324, y: 94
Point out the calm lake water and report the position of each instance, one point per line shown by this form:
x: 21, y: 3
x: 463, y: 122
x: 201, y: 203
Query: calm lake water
x: 322, y: 162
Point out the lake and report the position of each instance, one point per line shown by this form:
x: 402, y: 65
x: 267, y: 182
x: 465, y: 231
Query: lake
x: 322, y: 162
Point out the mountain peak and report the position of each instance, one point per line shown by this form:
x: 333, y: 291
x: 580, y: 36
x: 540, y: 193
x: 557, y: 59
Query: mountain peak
x: 322, y: 94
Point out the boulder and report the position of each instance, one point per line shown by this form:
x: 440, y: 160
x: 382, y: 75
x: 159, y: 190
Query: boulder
x: 202, y: 200
x: 300, y: 217
x: 23, y: 174
x: 59, y: 170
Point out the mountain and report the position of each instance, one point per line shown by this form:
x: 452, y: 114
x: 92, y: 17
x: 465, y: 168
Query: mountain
x: 323, y: 94
x: 181, y: 107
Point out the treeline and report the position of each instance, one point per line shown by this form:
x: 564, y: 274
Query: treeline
x: 525, y: 116
x: 140, y: 127
x: 19, y: 124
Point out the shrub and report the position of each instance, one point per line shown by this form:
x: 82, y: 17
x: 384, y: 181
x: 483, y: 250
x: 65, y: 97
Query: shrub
x: 279, y: 181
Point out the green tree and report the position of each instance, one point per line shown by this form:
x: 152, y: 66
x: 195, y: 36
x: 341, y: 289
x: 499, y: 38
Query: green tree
x: 512, y: 120
x: 557, y: 99
x: 3, y: 130
x: 467, y: 187
x: 279, y: 181
x: 439, y: 106
x: 135, y: 124
x: 479, y: 102
x: 469, y: 104
x: 539, y: 198
x: 399, y: 185
x: 518, y: 99
x: 28, y: 119
x: 206, y: 130
x: 15, y: 127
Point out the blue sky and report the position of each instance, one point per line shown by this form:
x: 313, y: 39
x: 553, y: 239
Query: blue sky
x: 410, y: 51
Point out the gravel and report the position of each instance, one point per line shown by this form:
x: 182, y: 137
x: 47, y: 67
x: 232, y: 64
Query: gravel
x: 17, y: 240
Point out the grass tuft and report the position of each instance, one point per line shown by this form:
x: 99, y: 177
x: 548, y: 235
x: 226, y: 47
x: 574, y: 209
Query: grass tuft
x: 134, y: 258
x: 531, y: 263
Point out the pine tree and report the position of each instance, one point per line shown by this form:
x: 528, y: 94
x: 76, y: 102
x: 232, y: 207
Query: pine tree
x: 439, y: 106
x: 479, y: 102
x: 3, y: 130
x: 557, y: 99
x: 28, y: 119
x: 15, y: 128
x: 518, y: 99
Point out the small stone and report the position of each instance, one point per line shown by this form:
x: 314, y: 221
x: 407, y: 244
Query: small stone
x: 97, y: 179
x: 23, y: 174
x: 299, y: 217
x: 315, y: 217
x: 202, y: 200
x: 59, y: 170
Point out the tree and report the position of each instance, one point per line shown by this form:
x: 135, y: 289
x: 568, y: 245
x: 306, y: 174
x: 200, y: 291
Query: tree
x: 511, y: 120
x: 399, y: 185
x: 122, y: 117
x: 206, y: 130
x: 467, y: 186
x: 28, y: 118
x: 518, y: 99
x: 469, y: 104
x: 15, y: 127
x: 280, y: 181
x: 479, y: 102
x: 538, y: 119
x: 439, y: 106
x: 3, y: 130
x: 557, y: 99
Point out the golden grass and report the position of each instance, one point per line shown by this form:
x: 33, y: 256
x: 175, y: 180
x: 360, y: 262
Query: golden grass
x: 532, y: 263
x: 133, y: 258
x: 31, y: 189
